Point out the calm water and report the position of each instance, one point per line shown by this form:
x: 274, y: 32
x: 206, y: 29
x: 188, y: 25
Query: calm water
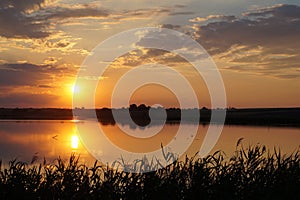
x: 50, y: 139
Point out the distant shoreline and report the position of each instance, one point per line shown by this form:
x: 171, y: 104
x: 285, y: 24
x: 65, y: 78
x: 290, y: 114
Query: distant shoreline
x: 250, y: 116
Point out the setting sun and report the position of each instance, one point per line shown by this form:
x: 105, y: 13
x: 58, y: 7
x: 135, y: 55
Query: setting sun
x: 149, y: 99
x: 72, y: 88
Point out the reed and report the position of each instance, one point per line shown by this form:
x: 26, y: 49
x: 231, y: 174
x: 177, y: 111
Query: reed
x: 252, y: 172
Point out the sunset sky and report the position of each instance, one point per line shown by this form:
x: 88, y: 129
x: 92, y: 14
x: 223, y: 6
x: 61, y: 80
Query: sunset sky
x: 255, y: 45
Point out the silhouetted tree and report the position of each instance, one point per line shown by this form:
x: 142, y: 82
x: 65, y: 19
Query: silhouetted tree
x: 142, y: 107
x: 133, y: 107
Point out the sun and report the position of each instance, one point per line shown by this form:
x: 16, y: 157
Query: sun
x: 73, y: 88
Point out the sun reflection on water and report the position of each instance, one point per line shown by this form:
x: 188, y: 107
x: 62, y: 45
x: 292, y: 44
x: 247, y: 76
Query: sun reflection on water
x: 74, y: 142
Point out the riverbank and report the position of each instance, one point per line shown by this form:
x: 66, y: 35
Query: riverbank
x: 251, y: 116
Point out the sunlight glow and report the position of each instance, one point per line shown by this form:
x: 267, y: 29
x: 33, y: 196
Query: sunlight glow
x: 74, y: 88
x: 74, y: 142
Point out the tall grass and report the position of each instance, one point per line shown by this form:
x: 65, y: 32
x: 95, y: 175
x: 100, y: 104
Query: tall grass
x: 250, y: 173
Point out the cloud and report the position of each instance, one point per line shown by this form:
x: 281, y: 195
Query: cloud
x: 57, y: 45
x: 139, y: 57
x: 35, y: 18
x: 27, y: 74
x: 280, y: 10
x: 26, y: 84
x: 45, y: 86
x: 51, y: 61
x: 171, y: 26
x: 273, y: 27
x: 74, y: 11
x: 137, y: 14
x: 266, y: 40
x: 26, y: 99
x: 24, y: 6
x: 181, y: 13
x: 213, y: 17
x: 39, y: 26
x: 38, y: 18
x: 20, y: 74
x: 15, y: 22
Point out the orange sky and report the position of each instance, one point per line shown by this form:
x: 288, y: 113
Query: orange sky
x: 255, y: 46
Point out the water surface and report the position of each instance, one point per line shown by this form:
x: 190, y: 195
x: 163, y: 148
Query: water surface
x: 49, y: 139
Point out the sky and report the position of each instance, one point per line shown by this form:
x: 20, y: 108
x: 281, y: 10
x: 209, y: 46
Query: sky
x: 254, y: 43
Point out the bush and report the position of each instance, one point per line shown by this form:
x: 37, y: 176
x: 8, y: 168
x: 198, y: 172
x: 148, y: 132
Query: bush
x: 251, y: 173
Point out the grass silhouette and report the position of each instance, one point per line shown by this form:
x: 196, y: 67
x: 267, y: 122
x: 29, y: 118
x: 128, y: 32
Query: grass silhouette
x: 250, y: 173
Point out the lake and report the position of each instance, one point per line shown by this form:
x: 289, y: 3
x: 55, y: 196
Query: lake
x: 49, y: 139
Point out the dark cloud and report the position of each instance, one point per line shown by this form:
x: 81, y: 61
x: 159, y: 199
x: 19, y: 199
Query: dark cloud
x: 275, y: 27
x: 171, y: 26
x: 15, y: 22
x: 265, y: 41
x: 181, y: 13
x: 26, y: 74
x: 40, y: 77
x: 26, y: 99
x: 45, y: 86
x: 20, y: 74
x: 35, y: 19
x: 21, y: 6
x: 213, y: 17
x: 288, y: 76
x: 139, y: 14
x: 279, y: 11
x: 179, y: 6
x: 84, y: 11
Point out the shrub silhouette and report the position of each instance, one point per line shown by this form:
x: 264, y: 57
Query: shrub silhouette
x: 250, y: 173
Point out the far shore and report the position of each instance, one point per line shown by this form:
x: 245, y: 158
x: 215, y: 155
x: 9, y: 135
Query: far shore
x: 250, y: 116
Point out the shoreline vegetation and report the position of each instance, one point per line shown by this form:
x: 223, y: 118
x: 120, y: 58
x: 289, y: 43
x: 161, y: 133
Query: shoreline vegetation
x: 250, y: 173
x: 140, y: 115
